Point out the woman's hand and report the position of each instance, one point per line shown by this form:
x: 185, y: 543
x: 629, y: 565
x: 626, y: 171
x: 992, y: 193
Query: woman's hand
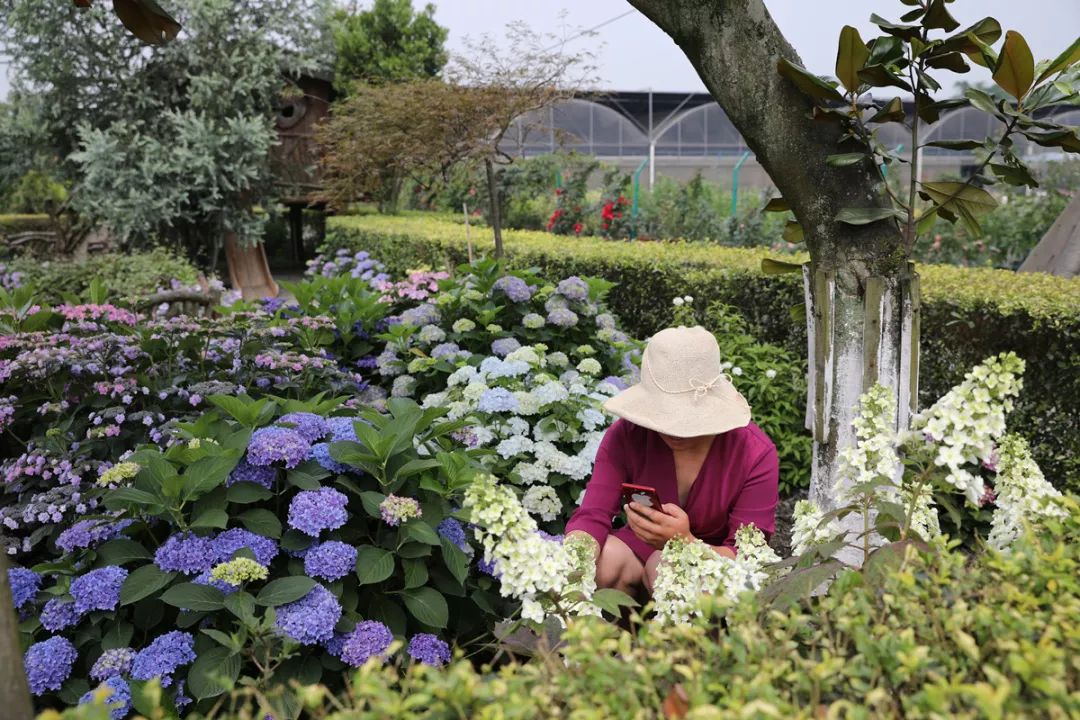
x: 654, y: 527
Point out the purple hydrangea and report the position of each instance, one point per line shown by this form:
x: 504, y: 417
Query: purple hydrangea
x: 333, y: 645
x: 320, y: 453
x: 445, y: 350
x: 312, y: 511
x: 310, y: 426
x: 342, y: 428
x: 497, y: 400
x: 58, y: 615
x: 516, y: 289
x: 181, y: 700
x: 48, y: 664
x: 118, y: 701
x: 562, y: 317
x: 451, y: 529
x: 113, y: 663
x: 163, y: 656
x: 573, y: 288
x: 605, y: 321
x: 429, y: 649
x: 311, y: 619
x: 188, y: 554
x: 370, y: 639
x: 98, y: 589
x: 421, y: 315
x: 88, y: 533
x: 24, y: 585
x: 504, y: 346
x: 617, y: 381
x: 227, y: 543
x: 331, y: 560
x: 486, y: 566
x: 274, y: 444
x: 244, y: 471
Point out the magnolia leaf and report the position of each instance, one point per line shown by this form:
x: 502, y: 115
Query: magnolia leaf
x: 1014, y: 174
x: 779, y: 267
x: 955, y: 144
x: 1062, y: 62
x: 776, y: 204
x: 146, y: 20
x: 1064, y: 138
x: 1015, y: 71
x: 850, y: 58
x: 957, y: 195
x: 867, y: 215
x: 793, y: 232
x: 845, y: 159
x: 950, y: 61
x: 893, y: 111
x: 926, y: 221
x: 938, y: 17
x: 881, y: 76
x: 808, y: 83
x: 985, y: 31
x: 885, y: 50
x: 981, y: 100
x: 906, y: 32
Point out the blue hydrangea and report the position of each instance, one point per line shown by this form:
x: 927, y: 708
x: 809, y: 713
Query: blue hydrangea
x: 370, y: 639
x: 342, y: 428
x: 24, y: 585
x: 562, y: 317
x: 181, y: 700
x: 446, y: 350
x: 98, y: 589
x: 48, y: 664
x: 320, y: 453
x: 244, y: 471
x: 508, y: 368
x: 274, y: 444
x: 311, y: 427
x: 188, y: 554
x: 311, y: 619
x: 119, y: 700
x: 162, y: 657
x: 504, y: 346
x: 333, y: 645
x: 88, y: 533
x: 516, y: 289
x: 616, y: 382
x: 312, y: 511
x: 451, y: 529
x: 573, y: 288
x: 487, y: 567
x: 58, y: 615
x: 331, y: 560
x: 497, y: 400
x: 113, y: 663
x: 421, y: 315
x: 429, y: 649
x: 605, y: 321
x: 227, y: 543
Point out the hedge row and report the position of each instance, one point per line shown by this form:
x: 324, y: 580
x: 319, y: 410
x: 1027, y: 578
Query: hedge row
x: 968, y: 314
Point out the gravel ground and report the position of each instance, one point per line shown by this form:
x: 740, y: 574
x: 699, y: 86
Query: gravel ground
x: 781, y: 539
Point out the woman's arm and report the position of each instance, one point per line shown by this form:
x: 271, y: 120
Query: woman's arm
x: 604, y: 491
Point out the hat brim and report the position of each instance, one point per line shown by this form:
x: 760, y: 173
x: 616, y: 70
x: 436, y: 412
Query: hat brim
x: 681, y: 415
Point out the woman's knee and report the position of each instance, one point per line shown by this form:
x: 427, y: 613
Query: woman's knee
x: 617, y: 565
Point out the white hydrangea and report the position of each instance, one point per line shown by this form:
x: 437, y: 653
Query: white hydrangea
x: 514, y: 446
x: 417, y: 364
x: 483, y: 435
x: 542, y: 501
x: 1023, y: 493
x: 531, y: 473
x: 525, y: 354
x: 873, y: 457
x: 462, y: 376
x: 591, y: 418
x: 589, y: 366
x: 963, y: 426
x: 528, y: 404
x: 592, y: 446
x: 431, y: 334
x: 404, y: 386
x: 432, y: 400
x: 924, y: 516
x: 463, y: 325
x: 690, y: 569
x: 457, y: 410
x: 550, y: 393
x: 770, y: 373
x: 558, y: 359
x: 474, y: 390
x: 517, y: 426
x: 808, y: 529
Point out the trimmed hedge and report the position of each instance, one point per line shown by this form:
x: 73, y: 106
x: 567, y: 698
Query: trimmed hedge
x: 968, y: 313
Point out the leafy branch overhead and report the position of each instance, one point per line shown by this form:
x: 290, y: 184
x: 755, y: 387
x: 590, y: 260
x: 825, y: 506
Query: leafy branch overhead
x: 906, y: 57
x: 144, y: 19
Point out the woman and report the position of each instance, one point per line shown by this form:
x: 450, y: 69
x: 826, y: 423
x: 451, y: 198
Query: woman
x: 685, y: 431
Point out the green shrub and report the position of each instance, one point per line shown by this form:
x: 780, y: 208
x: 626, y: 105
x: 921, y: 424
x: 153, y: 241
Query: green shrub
x: 968, y: 314
x: 123, y: 275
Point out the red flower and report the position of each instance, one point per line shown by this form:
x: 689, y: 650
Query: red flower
x: 578, y: 227
x: 605, y: 226
x: 554, y: 217
x: 608, y: 212
x: 558, y: 191
x: 622, y: 200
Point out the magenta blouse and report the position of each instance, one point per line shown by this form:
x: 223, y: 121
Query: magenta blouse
x: 737, y: 484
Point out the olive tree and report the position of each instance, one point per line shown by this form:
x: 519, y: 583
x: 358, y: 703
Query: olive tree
x: 817, y: 139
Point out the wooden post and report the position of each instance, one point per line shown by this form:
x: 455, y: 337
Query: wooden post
x: 496, y: 220
x: 296, y: 233
x: 14, y: 692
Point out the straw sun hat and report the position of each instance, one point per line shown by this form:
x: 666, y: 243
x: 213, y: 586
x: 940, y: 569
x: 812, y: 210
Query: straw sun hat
x: 683, y: 392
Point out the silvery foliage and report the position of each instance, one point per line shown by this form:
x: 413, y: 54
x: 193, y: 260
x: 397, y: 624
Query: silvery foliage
x: 170, y: 140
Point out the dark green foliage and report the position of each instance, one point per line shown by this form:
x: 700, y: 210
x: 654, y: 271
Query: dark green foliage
x: 388, y: 42
x: 968, y: 315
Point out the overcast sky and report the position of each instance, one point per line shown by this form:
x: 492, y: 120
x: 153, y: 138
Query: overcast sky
x: 636, y: 55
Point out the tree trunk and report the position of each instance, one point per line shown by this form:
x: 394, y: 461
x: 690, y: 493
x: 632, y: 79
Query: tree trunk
x: 14, y: 692
x: 862, y: 297
x: 493, y: 198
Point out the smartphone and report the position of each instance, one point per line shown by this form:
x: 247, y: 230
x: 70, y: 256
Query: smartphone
x: 641, y: 494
